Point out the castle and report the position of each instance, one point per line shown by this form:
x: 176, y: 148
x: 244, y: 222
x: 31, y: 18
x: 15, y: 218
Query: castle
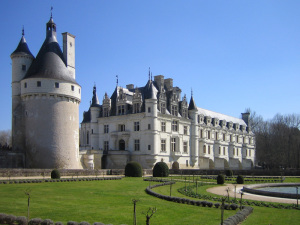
x: 147, y: 124
x: 155, y: 123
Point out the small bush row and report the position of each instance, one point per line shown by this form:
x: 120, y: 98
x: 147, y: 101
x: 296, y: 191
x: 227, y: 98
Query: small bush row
x: 22, y: 220
x: 239, y: 217
x: 59, y: 180
x: 185, y: 200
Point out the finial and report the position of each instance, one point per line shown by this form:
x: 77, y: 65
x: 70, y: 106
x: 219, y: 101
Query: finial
x: 117, y: 80
x: 149, y: 73
x: 51, y: 11
x: 192, y: 92
x: 151, y: 76
x: 23, y: 33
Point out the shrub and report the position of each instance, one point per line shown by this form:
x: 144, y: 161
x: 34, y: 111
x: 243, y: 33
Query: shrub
x: 161, y: 169
x: 98, y: 223
x: 59, y: 223
x: 84, y: 223
x: 47, y: 222
x: 21, y: 220
x: 9, y: 219
x: 133, y: 169
x: 220, y: 179
x: 240, y: 179
x: 72, y: 223
x: 35, y: 221
x: 55, y: 174
x: 2, y: 216
x: 228, y: 173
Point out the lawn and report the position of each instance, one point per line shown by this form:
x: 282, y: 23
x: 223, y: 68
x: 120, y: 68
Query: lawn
x: 100, y: 201
x: 110, y: 202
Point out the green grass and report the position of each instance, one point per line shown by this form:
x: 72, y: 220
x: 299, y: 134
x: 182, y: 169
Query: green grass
x: 110, y: 202
x: 99, y: 201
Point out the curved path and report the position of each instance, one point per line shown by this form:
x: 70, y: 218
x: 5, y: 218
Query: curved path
x: 222, y: 190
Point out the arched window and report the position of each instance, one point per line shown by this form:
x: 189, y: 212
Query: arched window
x: 121, y: 144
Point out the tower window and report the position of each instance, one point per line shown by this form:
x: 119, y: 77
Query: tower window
x: 149, y: 110
x: 79, y: 90
x: 149, y: 126
x: 56, y: 85
x: 24, y: 67
x: 149, y: 147
x: 72, y: 87
x: 38, y: 83
x: 25, y: 85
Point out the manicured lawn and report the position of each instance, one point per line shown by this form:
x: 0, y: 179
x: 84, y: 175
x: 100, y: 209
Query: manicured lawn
x: 99, y: 201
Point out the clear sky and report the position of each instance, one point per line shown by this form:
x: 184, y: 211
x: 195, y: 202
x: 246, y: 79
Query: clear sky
x: 233, y: 54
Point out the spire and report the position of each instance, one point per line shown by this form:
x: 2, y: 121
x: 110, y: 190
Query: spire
x: 149, y: 74
x: 22, y: 46
x: 117, y: 80
x: 95, y: 100
x: 192, y: 105
x: 51, y: 27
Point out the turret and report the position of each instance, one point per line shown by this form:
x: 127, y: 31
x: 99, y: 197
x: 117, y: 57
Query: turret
x: 21, y: 61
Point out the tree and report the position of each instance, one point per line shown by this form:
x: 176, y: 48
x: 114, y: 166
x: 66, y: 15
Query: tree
x: 5, y: 138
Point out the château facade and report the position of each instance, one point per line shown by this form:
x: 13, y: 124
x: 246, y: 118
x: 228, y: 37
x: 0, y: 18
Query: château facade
x: 155, y: 123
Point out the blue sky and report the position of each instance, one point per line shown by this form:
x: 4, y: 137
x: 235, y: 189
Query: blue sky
x: 233, y: 54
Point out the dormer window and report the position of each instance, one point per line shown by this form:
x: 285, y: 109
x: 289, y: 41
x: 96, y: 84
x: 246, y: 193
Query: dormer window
x: 174, y: 110
x: 163, y: 107
x: 121, y: 109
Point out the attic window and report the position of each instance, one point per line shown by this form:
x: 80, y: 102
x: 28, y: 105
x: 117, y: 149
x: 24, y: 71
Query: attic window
x: 38, y: 83
x: 24, y: 67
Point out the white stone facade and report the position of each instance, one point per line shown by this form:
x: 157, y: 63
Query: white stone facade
x: 164, y: 128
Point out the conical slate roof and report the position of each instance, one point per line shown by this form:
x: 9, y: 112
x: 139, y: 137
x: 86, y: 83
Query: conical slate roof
x: 22, y: 48
x: 95, y: 101
x: 50, y: 62
x: 192, y: 105
x: 150, y: 92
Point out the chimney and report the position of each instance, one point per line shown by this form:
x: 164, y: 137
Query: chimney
x: 69, y: 52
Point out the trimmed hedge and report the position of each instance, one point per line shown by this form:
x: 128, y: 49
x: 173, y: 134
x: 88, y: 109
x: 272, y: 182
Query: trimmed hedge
x: 133, y: 169
x: 229, y: 173
x: 55, y: 174
x: 220, y: 179
x: 240, y: 179
x: 161, y: 169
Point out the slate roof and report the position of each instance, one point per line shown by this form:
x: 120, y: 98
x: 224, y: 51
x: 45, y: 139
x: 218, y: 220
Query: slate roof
x: 50, y: 62
x: 22, y: 48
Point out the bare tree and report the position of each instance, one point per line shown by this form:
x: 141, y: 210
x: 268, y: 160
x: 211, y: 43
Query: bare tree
x: 149, y: 214
x: 5, y: 138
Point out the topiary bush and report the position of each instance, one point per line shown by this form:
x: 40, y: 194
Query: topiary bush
x: 55, y: 174
x: 35, y: 221
x: 21, y: 220
x: 220, y: 179
x: 47, y: 222
x: 228, y: 173
x: 161, y: 169
x: 240, y: 179
x: 133, y: 169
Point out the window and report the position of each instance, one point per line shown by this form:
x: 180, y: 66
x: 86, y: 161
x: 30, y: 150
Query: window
x: 149, y: 126
x: 92, y: 131
x: 87, y: 138
x: 187, y: 163
x: 163, y: 107
x: 244, y: 140
x: 106, y: 129
x: 38, y: 83
x: 105, y: 112
x: 24, y: 67
x: 149, y: 147
x: 184, y: 113
x: 217, y: 135
x: 201, y: 133
x: 237, y: 139
x: 230, y: 138
x: 249, y: 152
x: 208, y: 134
x: 136, y: 145
x: 121, y: 144
x: 72, y: 87
x: 121, y: 109
x: 25, y: 85
x: 136, y: 107
x: 204, y: 149
x: 121, y: 127
x: 223, y: 150
x: 106, y: 145
x: 136, y: 126
x: 237, y: 152
x: 198, y: 118
x: 79, y: 90
x: 149, y: 110
x: 185, y: 147
x: 185, y: 130
x: 56, y: 85
x: 174, y: 125
x: 249, y: 141
x: 174, y: 110
x: 233, y: 151
x: 224, y: 137
x: 209, y: 149
x: 173, y: 144
x: 163, y: 145
x: 163, y: 126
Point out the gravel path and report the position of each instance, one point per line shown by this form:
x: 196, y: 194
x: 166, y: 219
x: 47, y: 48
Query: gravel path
x: 222, y: 190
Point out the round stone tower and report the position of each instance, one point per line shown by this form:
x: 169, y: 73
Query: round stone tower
x: 50, y: 97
